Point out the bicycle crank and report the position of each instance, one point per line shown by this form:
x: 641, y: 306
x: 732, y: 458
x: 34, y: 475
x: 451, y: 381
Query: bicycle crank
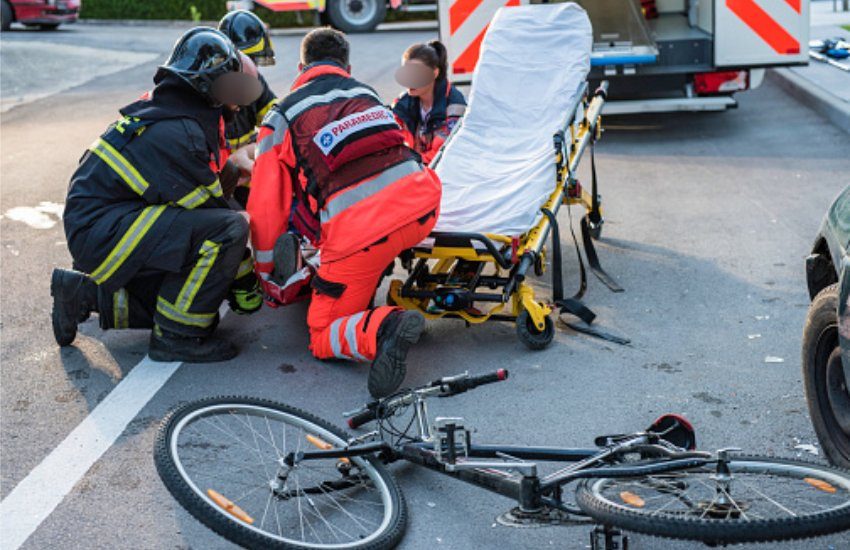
x: 545, y: 517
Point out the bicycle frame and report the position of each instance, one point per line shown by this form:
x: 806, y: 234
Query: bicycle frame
x: 524, y: 486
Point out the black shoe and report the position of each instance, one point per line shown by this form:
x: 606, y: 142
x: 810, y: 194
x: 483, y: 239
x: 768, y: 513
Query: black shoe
x: 74, y: 298
x: 168, y: 347
x: 397, y: 333
x: 287, y: 257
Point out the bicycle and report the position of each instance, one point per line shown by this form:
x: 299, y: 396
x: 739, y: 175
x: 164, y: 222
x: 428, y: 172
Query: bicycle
x: 266, y: 475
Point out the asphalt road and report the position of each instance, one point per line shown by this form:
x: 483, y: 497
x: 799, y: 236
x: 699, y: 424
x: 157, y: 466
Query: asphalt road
x: 709, y: 219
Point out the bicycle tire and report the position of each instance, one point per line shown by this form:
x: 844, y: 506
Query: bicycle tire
x: 236, y: 531
x: 717, y: 531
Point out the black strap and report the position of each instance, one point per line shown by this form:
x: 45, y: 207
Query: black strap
x: 593, y: 259
x: 595, y: 217
x: 592, y: 331
x: 572, y: 305
x: 595, y: 214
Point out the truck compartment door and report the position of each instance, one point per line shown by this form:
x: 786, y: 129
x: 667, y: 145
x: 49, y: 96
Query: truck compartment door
x: 760, y: 32
x: 620, y: 33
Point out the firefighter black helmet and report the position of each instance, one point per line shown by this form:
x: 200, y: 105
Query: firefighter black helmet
x: 203, y: 55
x: 249, y: 34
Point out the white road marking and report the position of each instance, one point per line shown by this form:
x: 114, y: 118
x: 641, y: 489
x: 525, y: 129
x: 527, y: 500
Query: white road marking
x: 37, y: 495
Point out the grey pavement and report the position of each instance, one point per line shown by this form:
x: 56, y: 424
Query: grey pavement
x: 709, y: 220
x: 819, y: 85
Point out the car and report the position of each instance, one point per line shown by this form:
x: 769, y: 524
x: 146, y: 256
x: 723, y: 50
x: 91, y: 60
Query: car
x: 44, y: 14
x: 826, y: 335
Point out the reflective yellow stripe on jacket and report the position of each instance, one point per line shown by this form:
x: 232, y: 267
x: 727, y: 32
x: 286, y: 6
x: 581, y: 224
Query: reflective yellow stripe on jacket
x: 120, y: 165
x: 200, y: 195
x: 128, y: 243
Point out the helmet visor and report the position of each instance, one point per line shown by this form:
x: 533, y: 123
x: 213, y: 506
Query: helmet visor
x: 236, y: 89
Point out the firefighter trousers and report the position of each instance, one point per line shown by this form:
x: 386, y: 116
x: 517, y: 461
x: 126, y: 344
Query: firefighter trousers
x: 185, y: 280
x: 341, y: 323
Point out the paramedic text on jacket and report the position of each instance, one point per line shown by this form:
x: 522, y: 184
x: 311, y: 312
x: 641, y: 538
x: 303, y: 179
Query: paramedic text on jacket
x: 146, y: 218
x: 332, y: 152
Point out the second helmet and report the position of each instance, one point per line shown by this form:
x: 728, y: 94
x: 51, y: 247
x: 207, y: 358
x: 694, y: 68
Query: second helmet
x: 249, y: 34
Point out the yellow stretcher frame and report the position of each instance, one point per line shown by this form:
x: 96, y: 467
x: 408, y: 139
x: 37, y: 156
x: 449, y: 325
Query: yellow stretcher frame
x: 429, y: 282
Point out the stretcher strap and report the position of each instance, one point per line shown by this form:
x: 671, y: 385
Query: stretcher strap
x: 595, y: 217
x: 593, y: 259
x: 572, y: 305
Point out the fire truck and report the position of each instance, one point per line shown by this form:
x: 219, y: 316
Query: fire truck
x: 45, y: 14
x: 658, y: 55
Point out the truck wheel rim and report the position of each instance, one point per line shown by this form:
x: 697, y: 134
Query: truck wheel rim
x: 359, y: 12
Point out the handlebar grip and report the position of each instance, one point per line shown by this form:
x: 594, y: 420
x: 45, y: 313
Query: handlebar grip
x: 498, y: 376
x: 362, y: 418
x: 467, y: 384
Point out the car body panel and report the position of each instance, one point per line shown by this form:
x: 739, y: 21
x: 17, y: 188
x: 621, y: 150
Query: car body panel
x: 37, y: 12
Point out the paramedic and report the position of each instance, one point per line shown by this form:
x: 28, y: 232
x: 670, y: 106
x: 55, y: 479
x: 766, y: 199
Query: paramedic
x: 331, y: 156
x: 248, y: 33
x: 430, y: 108
x: 146, y: 218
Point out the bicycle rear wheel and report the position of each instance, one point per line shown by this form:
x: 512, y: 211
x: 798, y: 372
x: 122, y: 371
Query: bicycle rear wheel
x: 222, y: 459
x: 762, y: 499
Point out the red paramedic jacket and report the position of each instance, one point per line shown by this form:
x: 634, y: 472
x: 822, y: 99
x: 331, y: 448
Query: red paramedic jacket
x: 280, y: 193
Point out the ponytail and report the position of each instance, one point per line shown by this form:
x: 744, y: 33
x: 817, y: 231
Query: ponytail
x: 442, y: 58
x: 433, y: 54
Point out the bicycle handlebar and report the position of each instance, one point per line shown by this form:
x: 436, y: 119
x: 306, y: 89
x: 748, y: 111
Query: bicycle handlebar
x: 454, y: 386
x: 444, y: 387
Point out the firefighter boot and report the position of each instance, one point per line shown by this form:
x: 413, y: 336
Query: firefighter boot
x: 169, y: 347
x: 397, y: 333
x: 74, y: 299
x: 286, y: 257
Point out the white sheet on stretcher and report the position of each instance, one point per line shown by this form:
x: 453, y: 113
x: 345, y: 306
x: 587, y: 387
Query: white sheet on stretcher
x: 498, y: 169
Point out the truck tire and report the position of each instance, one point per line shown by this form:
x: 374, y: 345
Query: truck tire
x: 7, y: 16
x: 356, y: 15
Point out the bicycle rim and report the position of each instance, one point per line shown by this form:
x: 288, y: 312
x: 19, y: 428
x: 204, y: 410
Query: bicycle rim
x: 230, y: 456
x: 766, y: 499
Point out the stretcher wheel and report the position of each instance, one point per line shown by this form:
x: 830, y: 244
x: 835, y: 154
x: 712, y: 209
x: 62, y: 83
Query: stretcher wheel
x: 530, y: 336
x: 595, y: 230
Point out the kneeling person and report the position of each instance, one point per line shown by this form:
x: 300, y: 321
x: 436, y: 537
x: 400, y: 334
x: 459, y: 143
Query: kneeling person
x: 331, y: 160
x: 146, y: 218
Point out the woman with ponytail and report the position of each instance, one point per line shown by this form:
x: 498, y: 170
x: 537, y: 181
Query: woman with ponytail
x: 431, y: 106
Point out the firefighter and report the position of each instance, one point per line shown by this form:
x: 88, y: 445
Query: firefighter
x: 331, y: 159
x: 248, y: 33
x: 430, y: 108
x: 153, y: 240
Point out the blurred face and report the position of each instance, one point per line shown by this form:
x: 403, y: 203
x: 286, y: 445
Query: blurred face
x: 417, y: 77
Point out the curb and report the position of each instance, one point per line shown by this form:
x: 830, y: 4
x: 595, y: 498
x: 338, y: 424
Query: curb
x: 813, y: 96
x: 425, y: 25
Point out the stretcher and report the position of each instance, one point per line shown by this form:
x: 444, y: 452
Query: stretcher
x: 507, y: 170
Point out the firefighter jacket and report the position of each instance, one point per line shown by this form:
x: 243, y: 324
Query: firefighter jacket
x: 134, y: 178
x: 242, y: 128
x: 331, y: 162
x: 427, y: 136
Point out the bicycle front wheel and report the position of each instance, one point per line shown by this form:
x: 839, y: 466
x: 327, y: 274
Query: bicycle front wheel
x: 223, y: 460
x: 757, y: 499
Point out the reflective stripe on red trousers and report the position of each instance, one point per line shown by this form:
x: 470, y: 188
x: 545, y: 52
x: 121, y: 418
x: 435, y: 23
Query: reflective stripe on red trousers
x: 344, y: 327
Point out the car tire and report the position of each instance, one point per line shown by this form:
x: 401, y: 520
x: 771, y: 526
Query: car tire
x: 6, y: 16
x: 823, y: 377
x: 356, y: 15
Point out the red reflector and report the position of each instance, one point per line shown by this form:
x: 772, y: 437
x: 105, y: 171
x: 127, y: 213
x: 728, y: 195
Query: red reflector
x: 721, y: 82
